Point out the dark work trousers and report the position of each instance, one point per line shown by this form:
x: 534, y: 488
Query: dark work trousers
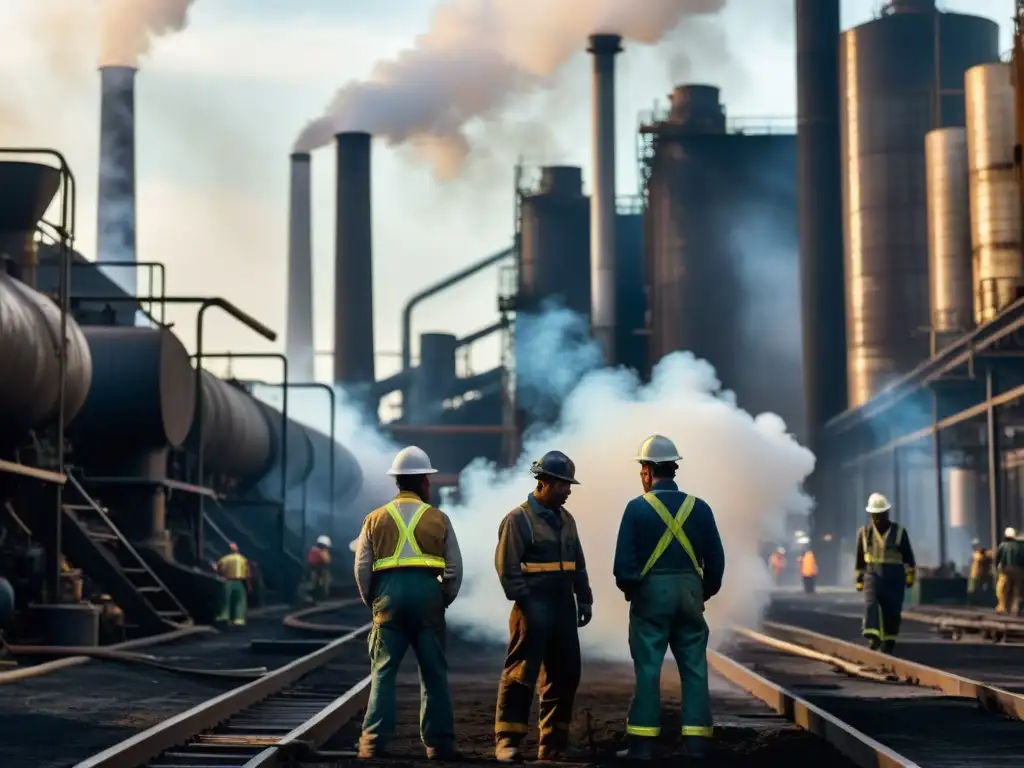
x: 544, y: 644
x: 809, y: 584
x: 408, y: 612
x: 883, y: 604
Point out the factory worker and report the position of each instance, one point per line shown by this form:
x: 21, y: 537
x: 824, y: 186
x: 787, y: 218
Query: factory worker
x: 1010, y: 565
x: 234, y: 569
x: 318, y: 565
x: 885, y: 567
x: 408, y: 568
x: 669, y: 561
x: 979, y: 582
x: 542, y: 569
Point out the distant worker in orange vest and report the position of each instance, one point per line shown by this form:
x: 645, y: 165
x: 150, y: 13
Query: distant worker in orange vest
x: 318, y: 561
x: 778, y: 564
x: 808, y: 566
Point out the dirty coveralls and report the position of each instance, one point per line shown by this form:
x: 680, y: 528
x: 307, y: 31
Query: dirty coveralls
x: 1010, y: 563
x: 234, y: 569
x: 541, y: 566
x: 884, y: 569
x: 669, y: 561
x: 408, y: 569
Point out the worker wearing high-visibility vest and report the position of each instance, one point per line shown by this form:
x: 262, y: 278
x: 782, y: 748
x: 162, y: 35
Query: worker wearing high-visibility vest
x: 408, y: 569
x: 542, y: 569
x: 234, y: 569
x: 669, y: 562
x: 885, y: 567
x: 777, y: 562
x: 808, y: 568
x: 979, y: 582
x: 1010, y: 566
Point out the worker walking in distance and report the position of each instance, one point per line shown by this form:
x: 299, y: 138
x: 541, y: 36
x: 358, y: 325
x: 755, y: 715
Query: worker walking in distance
x: 1010, y: 565
x: 234, y: 569
x: 542, y: 569
x: 777, y: 562
x: 979, y: 583
x: 885, y: 567
x: 408, y: 569
x: 318, y: 564
x: 808, y: 566
x: 669, y: 561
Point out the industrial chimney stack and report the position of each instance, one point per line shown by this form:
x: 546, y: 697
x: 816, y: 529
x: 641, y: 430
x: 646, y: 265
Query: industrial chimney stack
x: 115, y: 204
x: 353, y: 264
x: 299, y: 332
x: 602, y: 201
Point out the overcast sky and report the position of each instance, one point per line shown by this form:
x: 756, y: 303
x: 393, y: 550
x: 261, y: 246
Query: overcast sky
x: 220, y: 104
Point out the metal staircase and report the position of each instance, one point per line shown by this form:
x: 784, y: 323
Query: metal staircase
x: 94, y: 543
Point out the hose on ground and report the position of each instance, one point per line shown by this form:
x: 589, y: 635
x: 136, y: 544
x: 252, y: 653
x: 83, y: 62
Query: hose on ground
x: 295, y: 620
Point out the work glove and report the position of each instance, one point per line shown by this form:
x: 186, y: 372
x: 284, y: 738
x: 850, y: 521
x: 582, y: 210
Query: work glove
x: 910, y: 577
x: 584, y: 613
x: 860, y: 586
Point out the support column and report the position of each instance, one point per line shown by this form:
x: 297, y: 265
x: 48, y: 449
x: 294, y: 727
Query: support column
x: 995, y: 463
x: 940, y: 501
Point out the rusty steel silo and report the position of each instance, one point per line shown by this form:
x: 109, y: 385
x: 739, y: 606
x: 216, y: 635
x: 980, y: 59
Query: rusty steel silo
x: 901, y: 75
x: 722, y: 251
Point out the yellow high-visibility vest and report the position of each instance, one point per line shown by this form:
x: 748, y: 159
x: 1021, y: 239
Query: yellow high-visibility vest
x: 674, y: 530
x: 407, y: 551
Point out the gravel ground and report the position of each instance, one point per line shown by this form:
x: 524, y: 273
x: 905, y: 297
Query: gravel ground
x: 747, y: 732
x: 55, y: 720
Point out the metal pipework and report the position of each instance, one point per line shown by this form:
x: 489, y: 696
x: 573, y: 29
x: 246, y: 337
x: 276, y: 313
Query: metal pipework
x: 299, y: 328
x: 602, y: 202
x: 353, y: 263
x: 115, y: 203
x: 435, y: 289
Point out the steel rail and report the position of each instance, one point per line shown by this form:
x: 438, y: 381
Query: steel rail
x: 992, y: 699
x: 141, y: 748
x: 857, y: 746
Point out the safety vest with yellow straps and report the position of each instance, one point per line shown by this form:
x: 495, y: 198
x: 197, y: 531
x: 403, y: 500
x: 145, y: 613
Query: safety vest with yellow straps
x: 674, y: 530
x: 878, y: 550
x: 233, y: 567
x: 407, y: 551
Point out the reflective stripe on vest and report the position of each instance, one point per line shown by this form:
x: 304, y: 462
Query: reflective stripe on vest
x: 875, y: 550
x: 549, y: 567
x: 407, y: 552
x: 675, y: 530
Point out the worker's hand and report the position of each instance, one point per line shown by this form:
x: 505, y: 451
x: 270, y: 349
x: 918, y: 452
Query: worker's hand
x: 585, y: 614
x: 911, y: 575
x: 860, y: 586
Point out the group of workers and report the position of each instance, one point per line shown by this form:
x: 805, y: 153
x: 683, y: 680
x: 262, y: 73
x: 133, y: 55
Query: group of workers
x: 669, y: 562
x: 806, y: 562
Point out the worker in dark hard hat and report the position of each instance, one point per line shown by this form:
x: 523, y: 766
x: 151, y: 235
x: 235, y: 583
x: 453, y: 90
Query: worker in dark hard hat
x: 885, y: 567
x: 234, y: 569
x: 408, y: 568
x: 542, y: 569
x: 669, y: 561
x: 979, y: 582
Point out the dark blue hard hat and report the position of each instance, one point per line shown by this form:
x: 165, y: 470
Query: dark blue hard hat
x: 557, y: 465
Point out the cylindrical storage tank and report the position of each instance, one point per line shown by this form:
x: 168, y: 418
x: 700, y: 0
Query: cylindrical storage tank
x: 963, y: 497
x: 435, y: 375
x: 348, y: 475
x: 299, y: 456
x: 889, y: 101
x: 994, y: 189
x: 697, y: 108
x: 554, y: 254
x: 949, y: 235
x: 29, y: 343
x: 143, y: 392
x: 722, y: 259
x: 236, y: 432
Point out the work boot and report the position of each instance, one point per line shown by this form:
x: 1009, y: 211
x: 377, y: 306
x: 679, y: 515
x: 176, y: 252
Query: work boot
x: 637, y: 749
x: 507, y: 751
x: 550, y: 755
x: 874, y: 643
x: 444, y: 754
x: 697, y: 747
x: 887, y: 646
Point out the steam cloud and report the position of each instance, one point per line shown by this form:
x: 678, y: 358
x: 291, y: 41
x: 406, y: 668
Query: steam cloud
x: 749, y: 469
x: 129, y: 26
x: 474, y: 57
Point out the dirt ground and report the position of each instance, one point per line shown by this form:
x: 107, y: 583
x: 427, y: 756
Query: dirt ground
x: 747, y: 732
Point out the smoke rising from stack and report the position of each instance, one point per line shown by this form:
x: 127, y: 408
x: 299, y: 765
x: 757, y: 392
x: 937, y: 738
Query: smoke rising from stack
x: 749, y: 469
x: 475, y: 56
x: 129, y: 27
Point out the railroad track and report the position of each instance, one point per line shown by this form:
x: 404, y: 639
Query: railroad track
x: 876, y: 709
x: 290, y: 711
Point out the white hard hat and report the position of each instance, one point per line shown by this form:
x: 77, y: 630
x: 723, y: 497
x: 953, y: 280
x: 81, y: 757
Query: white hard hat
x: 658, y: 450
x: 353, y: 544
x: 975, y: 542
x: 411, y: 461
x: 323, y: 541
x: 1010, y: 533
x: 803, y: 540
x: 877, y: 504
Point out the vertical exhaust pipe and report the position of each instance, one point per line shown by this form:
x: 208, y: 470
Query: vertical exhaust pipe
x: 353, y: 265
x: 115, y: 204
x: 299, y: 331
x: 602, y: 202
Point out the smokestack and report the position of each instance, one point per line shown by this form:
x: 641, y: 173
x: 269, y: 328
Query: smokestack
x: 115, y: 205
x: 353, y: 264
x: 820, y: 211
x: 602, y: 201
x: 299, y: 333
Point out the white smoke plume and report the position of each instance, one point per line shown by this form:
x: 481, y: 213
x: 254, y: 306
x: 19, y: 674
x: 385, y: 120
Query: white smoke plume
x: 475, y: 56
x: 748, y: 469
x: 129, y: 27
